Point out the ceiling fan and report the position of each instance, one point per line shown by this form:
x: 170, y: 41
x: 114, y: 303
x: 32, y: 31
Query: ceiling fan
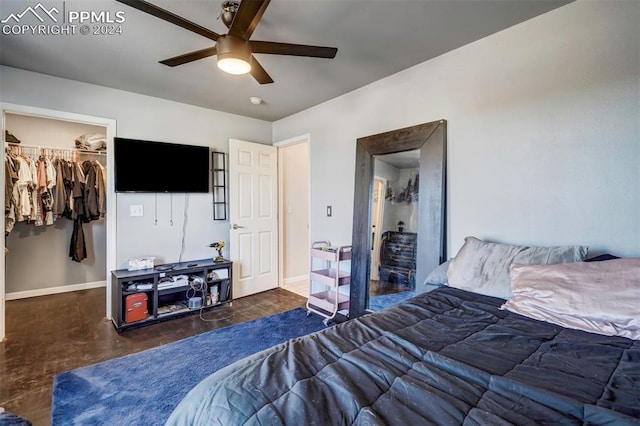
x: 234, y: 50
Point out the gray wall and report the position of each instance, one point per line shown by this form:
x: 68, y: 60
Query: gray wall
x: 543, y: 132
x: 145, y: 117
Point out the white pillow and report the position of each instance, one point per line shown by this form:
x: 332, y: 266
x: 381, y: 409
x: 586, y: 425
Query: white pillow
x: 599, y: 297
x: 439, y: 275
x: 483, y: 267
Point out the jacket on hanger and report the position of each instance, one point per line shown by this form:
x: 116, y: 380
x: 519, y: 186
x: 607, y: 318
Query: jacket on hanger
x: 90, y: 191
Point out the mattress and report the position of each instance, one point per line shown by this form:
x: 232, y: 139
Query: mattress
x: 444, y: 357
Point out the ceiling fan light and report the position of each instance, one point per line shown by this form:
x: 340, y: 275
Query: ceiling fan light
x: 234, y: 65
x: 234, y: 55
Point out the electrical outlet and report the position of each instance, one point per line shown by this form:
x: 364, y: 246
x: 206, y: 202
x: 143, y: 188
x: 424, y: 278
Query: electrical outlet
x: 136, y: 210
x: 329, y: 211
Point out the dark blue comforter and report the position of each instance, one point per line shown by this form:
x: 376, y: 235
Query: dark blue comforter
x: 444, y: 357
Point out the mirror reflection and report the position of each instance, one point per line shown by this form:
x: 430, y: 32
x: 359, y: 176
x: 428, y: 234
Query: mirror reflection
x: 394, y: 220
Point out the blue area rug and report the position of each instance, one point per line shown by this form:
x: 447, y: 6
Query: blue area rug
x: 144, y: 388
x: 378, y: 303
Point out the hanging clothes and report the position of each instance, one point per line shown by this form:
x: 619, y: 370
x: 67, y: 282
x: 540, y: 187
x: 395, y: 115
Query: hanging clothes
x: 77, y: 247
x: 90, y: 191
x: 78, y: 207
x: 24, y: 184
x: 10, y: 192
x: 40, y: 182
x: 45, y: 186
x: 40, y: 190
x: 60, y: 198
x: 10, y: 177
x: 101, y: 183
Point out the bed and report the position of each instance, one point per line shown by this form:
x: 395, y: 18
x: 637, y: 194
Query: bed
x: 449, y: 356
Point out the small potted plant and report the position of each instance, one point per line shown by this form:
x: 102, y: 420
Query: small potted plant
x: 218, y: 245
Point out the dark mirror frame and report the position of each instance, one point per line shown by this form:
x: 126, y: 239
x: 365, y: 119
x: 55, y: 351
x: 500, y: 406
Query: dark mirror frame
x: 431, y: 139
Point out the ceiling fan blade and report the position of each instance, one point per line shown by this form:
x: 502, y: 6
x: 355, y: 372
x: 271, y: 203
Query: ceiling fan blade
x: 259, y: 73
x: 276, y: 48
x: 171, y: 17
x: 247, y: 17
x: 190, y: 57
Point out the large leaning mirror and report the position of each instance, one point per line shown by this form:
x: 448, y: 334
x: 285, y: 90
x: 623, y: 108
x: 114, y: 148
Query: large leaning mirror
x: 394, y: 222
x: 420, y: 225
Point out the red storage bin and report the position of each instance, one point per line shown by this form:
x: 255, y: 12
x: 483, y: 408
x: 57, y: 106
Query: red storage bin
x: 136, y: 307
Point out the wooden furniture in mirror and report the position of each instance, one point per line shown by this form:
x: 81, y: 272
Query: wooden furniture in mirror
x: 431, y: 139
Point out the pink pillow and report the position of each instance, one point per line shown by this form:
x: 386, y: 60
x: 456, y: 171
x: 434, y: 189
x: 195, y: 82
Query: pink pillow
x: 599, y: 297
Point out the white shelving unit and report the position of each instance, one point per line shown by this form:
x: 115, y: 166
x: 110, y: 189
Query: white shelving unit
x: 326, y: 278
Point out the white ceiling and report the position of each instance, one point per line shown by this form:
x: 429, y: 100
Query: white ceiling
x: 374, y: 38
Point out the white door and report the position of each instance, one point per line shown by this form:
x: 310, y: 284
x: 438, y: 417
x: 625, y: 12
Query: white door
x: 253, y: 214
x: 379, y: 185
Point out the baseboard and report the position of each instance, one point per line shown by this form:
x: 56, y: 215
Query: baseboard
x: 293, y: 280
x: 54, y: 290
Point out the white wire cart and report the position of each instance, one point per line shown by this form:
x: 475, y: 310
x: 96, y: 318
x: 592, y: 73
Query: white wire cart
x: 329, y: 279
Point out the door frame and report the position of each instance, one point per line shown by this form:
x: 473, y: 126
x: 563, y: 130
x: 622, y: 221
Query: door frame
x: 110, y: 126
x: 375, y: 253
x: 305, y: 138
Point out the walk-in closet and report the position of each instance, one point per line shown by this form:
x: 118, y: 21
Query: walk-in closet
x: 55, y: 206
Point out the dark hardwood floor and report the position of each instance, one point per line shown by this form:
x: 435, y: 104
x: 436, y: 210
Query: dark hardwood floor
x: 47, y: 335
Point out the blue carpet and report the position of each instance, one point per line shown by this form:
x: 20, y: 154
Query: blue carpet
x: 378, y: 303
x: 145, y: 387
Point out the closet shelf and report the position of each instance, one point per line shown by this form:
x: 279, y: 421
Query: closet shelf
x: 54, y: 148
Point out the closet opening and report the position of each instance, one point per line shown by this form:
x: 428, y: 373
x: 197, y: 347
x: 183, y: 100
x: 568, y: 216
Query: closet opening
x: 58, y: 201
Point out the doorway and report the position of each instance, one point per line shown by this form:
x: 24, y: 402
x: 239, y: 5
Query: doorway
x: 293, y: 200
x: 108, y: 235
x: 379, y: 188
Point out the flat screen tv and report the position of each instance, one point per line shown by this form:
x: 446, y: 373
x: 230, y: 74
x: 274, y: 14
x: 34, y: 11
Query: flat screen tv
x: 149, y: 166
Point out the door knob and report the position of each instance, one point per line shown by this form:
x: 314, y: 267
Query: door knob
x: 236, y: 226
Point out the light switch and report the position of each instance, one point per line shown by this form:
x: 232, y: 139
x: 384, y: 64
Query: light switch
x: 329, y: 211
x: 136, y: 210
